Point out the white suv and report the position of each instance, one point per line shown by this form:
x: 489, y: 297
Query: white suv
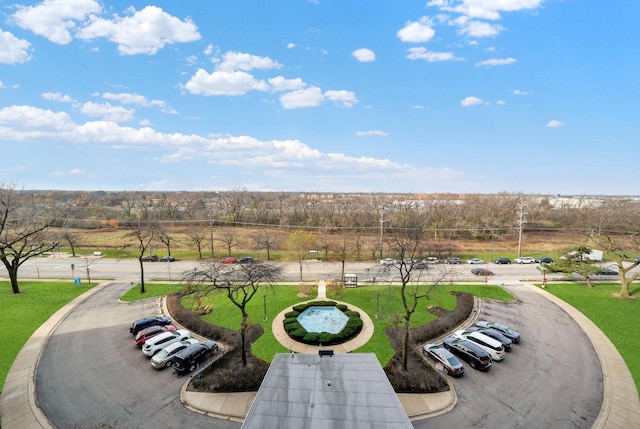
x: 491, y: 346
x: 524, y: 260
x: 159, y: 342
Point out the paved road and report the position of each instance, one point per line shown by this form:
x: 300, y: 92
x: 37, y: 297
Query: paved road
x: 552, y: 379
x: 91, y: 373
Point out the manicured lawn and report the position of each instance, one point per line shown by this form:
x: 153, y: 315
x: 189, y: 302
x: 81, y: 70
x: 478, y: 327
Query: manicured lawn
x: 617, y: 318
x: 381, y: 300
x: 152, y: 290
x: 22, y: 314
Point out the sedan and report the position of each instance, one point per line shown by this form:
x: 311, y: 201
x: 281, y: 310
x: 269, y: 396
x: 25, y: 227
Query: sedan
x: 545, y: 260
x: 151, y: 332
x: 481, y: 272
x: 477, y: 358
x: 167, y: 258
x: 246, y: 260
x: 506, y: 331
x: 450, y: 363
x: 524, y: 260
x: 475, y: 261
x: 452, y: 260
x: 419, y: 265
x: 607, y: 272
x: 229, y: 260
x: 164, y: 358
x: 387, y: 261
x: 149, y: 258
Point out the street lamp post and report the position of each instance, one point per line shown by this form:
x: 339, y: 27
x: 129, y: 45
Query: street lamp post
x: 264, y: 297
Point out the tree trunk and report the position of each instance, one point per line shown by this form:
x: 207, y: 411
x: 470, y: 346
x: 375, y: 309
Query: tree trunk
x: 589, y: 285
x: 13, y: 275
x: 405, y: 345
x: 243, y: 335
x: 624, y: 286
x: 142, y: 277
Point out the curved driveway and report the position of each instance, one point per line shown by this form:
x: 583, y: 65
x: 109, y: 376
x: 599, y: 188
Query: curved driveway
x: 91, y: 373
x: 552, y: 378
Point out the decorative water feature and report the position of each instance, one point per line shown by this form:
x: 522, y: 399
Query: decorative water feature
x: 323, y: 319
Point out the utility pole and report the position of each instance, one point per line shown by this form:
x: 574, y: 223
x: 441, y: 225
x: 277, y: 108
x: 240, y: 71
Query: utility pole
x: 522, y: 219
x: 211, y: 224
x: 381, y: 229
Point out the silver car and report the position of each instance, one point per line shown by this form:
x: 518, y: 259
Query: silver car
x: 164, y: 358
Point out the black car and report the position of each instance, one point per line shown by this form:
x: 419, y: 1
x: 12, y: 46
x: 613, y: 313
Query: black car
x: 147, y: 322
x: 477, y: 358
x: 607, y: 272
x: 167, y: 258
x: 545, y: 259
x: 496, y: 335
x: 514, y: 336
x: 149, y: 258
x: 188, y: 359
x: 502, y: 261
x: 246, y: 260
x: 481, y: 272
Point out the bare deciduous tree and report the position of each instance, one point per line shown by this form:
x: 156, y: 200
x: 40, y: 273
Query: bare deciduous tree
x: 144, y: 232
x: 240, y: 283
x: 229, y: 238
x: 23, y: 228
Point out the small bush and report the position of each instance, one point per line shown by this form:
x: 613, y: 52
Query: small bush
x: 300, y: 334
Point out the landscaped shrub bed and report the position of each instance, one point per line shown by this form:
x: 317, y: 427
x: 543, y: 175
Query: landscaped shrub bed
x: 298, y: 333
x: 446, y: 321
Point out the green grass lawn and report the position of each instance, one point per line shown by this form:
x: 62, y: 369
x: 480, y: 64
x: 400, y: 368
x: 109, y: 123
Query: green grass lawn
x: 152, y: 290
x: 23, y: 313
x: 617, y: 318
x: 381, y: 300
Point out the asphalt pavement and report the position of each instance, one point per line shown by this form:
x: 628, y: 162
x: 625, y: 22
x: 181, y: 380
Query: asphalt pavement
x: 20, y: 406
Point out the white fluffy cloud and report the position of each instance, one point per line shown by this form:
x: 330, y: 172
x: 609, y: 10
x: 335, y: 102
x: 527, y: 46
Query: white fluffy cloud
x: 224, y: 83
x: 56, y: 96
x: 554, y: 123
x: 417, y: 31
x: 279, y: 84
x: 472, y: 101
x: 309, y: 97
x: 12, y: 49
x: 54, y: 19
x: 476, y: 28
x: 364, y: 55
x: 420, y: 53
x: 496, y: 62
x: 107, y: 112
x: 144, y: 32
x: 232, y: 61
x: 372, y: 133
x: 485, y: 9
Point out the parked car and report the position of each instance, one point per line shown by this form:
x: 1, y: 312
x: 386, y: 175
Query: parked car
x: 477, y: 358
x: 146, y: 322
x: 491, y: 346
x: 452, y: 260
x: 481, y: 271
x: 524, y: 260
x: 496, y: 335
x: 502, y: 261
x: 149, y: 258
x: 387, y: 261
x: 545, y: 260
x: 420, y: 265
x: 607, y: 272
x: 188, y: 359
x: 246, y: 260
x: 475, y: 261
x: 450, y: 364
x: 167, y: 258
x: 151, y: 332
x: 159, y: 342
x: 229, y: 260
x: 432, y: 260
x: 164, y: 358
x: 506, y: 331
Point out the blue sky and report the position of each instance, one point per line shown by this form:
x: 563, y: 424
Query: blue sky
x: 470, y: 96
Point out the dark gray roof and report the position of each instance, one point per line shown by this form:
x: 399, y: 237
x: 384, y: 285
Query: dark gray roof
x: 340, y: 391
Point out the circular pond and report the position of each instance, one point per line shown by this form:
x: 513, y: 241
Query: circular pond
x: 323, y: 319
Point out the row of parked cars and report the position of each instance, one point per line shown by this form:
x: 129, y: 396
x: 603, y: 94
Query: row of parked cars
x: 168, y: 346
x: 478, y: 345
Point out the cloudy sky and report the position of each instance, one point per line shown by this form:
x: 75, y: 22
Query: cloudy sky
x: 477, y: 96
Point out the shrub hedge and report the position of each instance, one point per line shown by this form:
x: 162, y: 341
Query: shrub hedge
x: 298, y: 333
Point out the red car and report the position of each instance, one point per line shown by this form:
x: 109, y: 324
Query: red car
x: 151, y: 332
x: 229, y: 260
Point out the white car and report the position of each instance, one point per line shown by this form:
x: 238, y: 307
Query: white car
x: 387, y: 262
x: 159, y: 342
x: 164, y: 358
x: 524, y: 260
x: 491, y: 346
x: 475, y: 261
